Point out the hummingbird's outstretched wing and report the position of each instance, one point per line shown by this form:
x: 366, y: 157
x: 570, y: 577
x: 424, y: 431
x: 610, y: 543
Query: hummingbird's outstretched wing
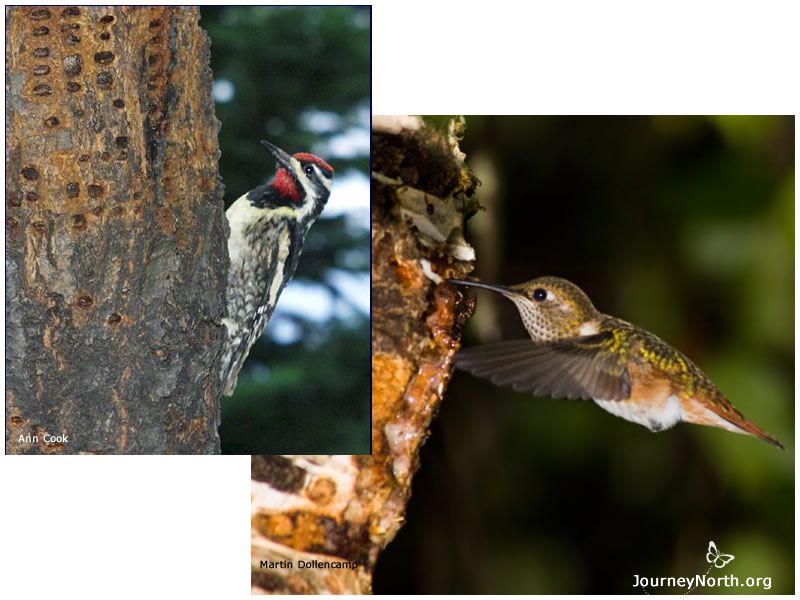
x: 578, y: 368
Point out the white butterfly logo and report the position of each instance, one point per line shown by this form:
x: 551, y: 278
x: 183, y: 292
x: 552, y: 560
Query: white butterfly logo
x: 715, y: 557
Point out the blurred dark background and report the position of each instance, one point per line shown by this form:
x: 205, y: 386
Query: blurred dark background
x: 684, y: 226
x: 300, y: 78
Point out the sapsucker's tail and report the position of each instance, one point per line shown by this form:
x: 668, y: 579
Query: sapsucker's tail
x: 230, y: 385
x: 232, y: 362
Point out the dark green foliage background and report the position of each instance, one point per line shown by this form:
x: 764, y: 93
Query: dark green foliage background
x: 283, y: 61
x: 684, y: 226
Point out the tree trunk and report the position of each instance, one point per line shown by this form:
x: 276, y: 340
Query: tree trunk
x: 341, y: 511
x: 115, y: 235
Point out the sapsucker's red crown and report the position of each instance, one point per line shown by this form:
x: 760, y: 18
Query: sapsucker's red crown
x: 306, y: 158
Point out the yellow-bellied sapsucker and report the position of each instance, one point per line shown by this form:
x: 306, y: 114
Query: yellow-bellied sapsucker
x: 268, y: 226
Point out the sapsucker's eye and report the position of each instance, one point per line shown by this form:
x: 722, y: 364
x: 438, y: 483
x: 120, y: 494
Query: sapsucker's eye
x: 539, y: 294
x: 309, y: 170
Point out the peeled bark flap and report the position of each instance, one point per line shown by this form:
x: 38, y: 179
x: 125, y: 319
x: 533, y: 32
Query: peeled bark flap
x: 115, y: 234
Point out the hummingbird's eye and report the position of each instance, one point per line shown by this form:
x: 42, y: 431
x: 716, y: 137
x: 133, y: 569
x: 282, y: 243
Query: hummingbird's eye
x: 539, y: 294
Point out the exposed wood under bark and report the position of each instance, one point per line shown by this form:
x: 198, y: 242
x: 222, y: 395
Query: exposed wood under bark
x: 115, y: 234
x: 346, y: 509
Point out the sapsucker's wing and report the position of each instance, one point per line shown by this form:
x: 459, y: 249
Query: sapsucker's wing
x: 255, y: 282
x: 583, y: 367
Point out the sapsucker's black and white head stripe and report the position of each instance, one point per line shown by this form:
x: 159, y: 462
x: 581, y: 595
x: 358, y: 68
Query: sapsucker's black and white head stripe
x: 268, y: 225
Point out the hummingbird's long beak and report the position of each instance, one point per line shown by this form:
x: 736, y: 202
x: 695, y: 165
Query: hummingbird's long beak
x: 281, y: 157
x: 500, y: 289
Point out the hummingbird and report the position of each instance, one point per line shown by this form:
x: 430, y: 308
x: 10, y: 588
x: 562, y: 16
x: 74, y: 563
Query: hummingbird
x: 577, y: 352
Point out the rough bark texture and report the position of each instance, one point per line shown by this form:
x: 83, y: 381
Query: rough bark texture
x: 345, y: 509
x: 115, y: 234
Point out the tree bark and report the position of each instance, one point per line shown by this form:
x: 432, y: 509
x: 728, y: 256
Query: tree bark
x: 341, y: 511
x: 115, y: 233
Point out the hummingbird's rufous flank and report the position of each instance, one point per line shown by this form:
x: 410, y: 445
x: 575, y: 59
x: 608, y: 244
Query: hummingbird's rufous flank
x: 575, y: 351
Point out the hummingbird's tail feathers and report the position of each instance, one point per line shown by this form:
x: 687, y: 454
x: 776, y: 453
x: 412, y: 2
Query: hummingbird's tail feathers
x: 561, y: 370
x: 750, y: 428
x: 721, y: 413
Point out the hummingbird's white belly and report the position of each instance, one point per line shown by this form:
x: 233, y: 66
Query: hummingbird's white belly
x: 654, y: 416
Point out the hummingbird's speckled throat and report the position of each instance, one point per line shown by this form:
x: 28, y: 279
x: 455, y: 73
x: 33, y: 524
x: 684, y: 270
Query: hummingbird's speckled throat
x: 575, y: 351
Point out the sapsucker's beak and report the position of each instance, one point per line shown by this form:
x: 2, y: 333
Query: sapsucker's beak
x: 500, y: 289
x: 284, y: 160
